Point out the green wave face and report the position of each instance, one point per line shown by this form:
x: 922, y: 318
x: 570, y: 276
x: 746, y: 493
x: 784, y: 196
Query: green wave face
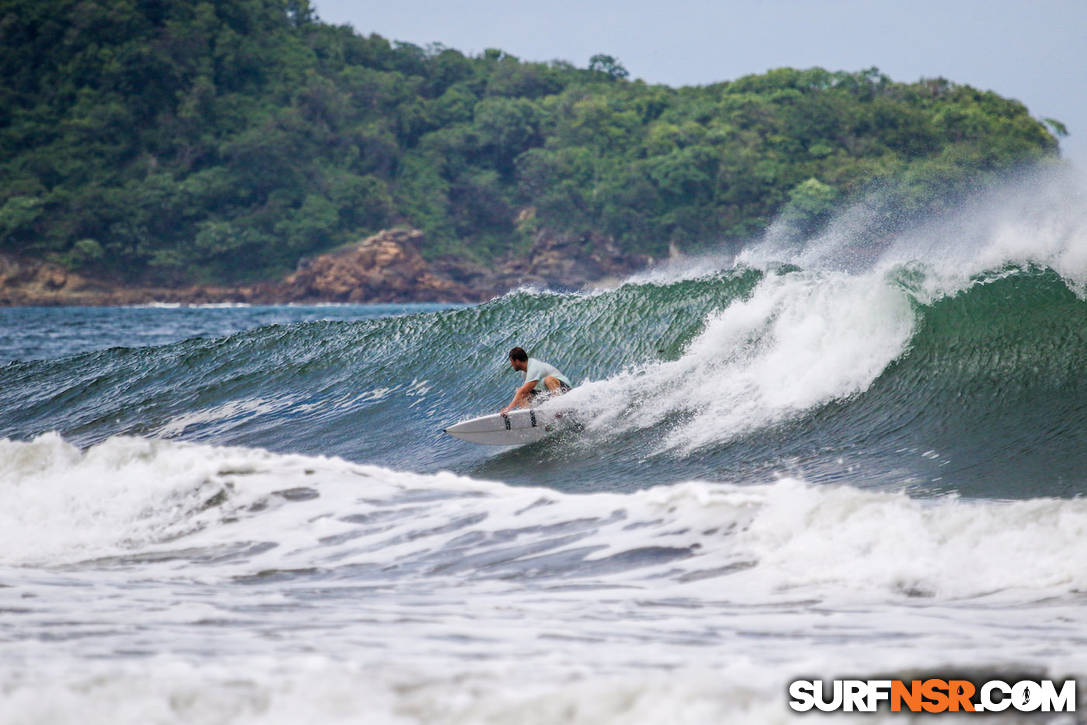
x: 735, y: 376
x: 993, y: 385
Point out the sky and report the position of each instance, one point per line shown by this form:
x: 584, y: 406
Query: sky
x: 1032, y: 50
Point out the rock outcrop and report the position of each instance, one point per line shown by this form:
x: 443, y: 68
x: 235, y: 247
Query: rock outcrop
x: 387, y: 267
x: 34, y: 282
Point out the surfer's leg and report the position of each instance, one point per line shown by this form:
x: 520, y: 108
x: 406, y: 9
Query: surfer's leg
x: 554, y: 385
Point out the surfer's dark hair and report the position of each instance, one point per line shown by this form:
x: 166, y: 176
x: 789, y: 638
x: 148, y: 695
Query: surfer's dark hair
x: 518, y: 353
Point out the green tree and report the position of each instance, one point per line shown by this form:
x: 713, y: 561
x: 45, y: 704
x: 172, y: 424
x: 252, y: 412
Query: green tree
x: 166, y: 141
x: 609, y: 66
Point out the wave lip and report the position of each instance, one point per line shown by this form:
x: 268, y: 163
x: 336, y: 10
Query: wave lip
x: 799, y: 341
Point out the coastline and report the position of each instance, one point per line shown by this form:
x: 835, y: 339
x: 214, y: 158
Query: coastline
x: 386, y: 267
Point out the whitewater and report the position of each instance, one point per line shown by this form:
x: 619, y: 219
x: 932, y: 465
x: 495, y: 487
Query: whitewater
x: 842, y: 456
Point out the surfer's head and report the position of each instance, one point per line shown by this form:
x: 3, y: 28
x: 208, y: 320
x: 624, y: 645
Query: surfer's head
x: 518, y: 358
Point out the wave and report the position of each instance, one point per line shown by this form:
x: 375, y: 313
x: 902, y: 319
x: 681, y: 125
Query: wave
x: 978, y: 391
x: 740, y: 375
x: 249, y: 513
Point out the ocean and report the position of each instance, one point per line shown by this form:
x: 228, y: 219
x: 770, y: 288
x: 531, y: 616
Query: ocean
x: 828, y: 458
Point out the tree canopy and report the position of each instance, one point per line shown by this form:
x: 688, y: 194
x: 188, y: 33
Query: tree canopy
x: 170, y: 139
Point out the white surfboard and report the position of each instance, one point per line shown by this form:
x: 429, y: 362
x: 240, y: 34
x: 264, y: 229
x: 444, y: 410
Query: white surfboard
x: 513, y: 429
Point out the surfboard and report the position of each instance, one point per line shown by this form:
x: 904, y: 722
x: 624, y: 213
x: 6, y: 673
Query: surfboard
x: 516, y: 428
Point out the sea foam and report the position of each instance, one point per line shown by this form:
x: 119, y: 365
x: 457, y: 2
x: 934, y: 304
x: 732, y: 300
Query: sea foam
x: 151, y: 498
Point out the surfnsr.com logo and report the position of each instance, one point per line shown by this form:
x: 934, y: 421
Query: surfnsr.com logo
x: 932, y: 695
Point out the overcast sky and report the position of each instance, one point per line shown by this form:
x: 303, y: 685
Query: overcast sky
x: 1031, y: 50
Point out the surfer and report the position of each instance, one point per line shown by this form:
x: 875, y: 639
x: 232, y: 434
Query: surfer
x: 540, y: 379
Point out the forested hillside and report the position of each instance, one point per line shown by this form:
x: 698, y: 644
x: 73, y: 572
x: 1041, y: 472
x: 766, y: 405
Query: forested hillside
x: 212, y: 140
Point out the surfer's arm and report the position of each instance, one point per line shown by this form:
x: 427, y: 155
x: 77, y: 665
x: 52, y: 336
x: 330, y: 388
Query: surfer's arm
x: 520, y: 396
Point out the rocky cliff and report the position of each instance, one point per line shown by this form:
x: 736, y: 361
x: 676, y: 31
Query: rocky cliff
x: 386, y: 267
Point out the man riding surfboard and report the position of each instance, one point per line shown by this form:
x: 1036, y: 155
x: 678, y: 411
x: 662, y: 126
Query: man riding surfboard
x: 540, y: 378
